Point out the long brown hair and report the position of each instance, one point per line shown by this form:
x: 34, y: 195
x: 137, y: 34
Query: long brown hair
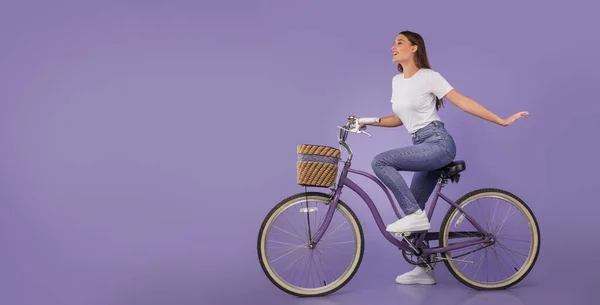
x: 421, y: 59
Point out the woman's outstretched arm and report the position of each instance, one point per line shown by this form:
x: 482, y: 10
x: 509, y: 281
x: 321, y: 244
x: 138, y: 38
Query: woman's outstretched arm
x: 472, y: 107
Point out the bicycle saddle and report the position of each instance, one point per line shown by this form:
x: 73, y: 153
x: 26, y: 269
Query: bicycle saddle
x: 451, y: 170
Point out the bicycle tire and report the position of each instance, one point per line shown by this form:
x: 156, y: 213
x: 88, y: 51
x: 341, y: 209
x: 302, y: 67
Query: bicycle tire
x: 347, y: 275
x: 532, y: 221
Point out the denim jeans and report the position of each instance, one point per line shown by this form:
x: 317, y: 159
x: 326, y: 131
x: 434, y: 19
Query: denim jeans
x: 433, y: 149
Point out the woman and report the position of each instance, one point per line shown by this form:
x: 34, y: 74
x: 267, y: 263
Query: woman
x: 417, y: 93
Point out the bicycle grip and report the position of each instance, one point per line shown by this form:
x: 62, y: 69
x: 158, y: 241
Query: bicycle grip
x: 368, y: 121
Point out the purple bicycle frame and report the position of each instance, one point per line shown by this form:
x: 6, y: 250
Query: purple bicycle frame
x: 400, y: 243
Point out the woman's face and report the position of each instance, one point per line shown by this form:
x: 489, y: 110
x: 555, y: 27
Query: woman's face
x: 402, y: 49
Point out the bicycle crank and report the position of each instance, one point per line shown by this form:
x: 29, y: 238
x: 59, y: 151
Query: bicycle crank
x: 419, y: 259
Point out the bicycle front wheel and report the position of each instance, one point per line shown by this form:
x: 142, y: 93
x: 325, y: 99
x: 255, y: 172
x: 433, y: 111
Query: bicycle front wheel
x: 514, y: 239
x: 285, y: 255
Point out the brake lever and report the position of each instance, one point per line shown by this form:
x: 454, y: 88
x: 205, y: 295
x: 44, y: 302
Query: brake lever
x: 358, y: 131
x: 362, y: 131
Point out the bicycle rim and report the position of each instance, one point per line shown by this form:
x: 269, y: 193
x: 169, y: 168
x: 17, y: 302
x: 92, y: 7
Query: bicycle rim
x: 515, y: 249
x: 287, y: 260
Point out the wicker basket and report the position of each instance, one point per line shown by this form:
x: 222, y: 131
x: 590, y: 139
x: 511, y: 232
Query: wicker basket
x: 317, y: 165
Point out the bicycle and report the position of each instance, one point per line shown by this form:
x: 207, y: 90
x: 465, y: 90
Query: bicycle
x: 414, y: 245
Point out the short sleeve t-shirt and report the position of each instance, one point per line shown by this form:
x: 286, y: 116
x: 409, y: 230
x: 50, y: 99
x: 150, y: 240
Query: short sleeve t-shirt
x: 413, y: 99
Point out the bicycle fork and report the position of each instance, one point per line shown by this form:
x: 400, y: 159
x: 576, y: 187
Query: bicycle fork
x: 314, y: 239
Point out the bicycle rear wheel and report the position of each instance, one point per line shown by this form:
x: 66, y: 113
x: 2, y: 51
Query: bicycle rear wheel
x: 516, y: 240
x: 286, y: 258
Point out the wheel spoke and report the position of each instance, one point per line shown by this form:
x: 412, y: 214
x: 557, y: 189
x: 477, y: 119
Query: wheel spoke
x: 290, y: 233
x: 289, y: 252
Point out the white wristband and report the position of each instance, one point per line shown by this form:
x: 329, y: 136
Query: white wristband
x: 368, y: 121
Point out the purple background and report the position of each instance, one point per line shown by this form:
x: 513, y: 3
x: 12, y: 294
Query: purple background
x: 143, y: 143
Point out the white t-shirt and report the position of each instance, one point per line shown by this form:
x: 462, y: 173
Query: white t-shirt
x: 413, y: 99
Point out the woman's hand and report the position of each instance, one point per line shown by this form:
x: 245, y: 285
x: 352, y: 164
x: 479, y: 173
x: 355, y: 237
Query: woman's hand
x: 513, y: 118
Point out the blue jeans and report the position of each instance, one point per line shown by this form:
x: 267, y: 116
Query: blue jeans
x: 433, y: 149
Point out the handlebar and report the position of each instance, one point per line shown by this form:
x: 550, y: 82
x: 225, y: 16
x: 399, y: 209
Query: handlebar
x: 353, y: 125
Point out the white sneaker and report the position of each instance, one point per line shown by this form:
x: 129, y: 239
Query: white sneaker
x: 416, y: 276
x: 416, y: 221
